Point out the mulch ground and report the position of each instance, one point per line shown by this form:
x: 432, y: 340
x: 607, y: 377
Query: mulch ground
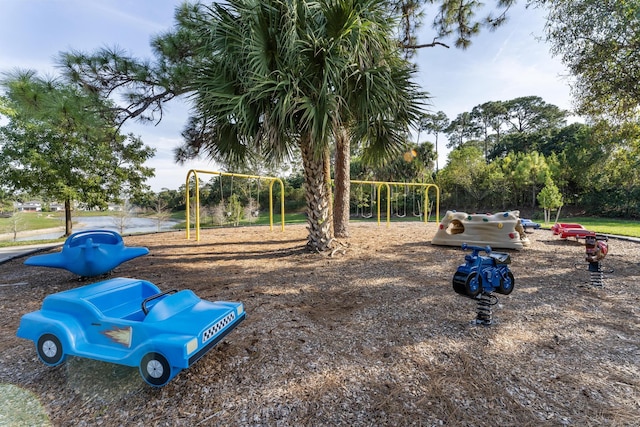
x: 373, y: 335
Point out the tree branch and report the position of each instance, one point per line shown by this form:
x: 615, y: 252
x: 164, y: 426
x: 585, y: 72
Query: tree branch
x: 434, y: 43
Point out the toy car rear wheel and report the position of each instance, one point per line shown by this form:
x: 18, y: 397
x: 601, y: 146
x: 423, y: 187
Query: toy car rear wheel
x: 506, y: 286
x: 155, y: 369
x: 49, y: 349
x: 459, y: 280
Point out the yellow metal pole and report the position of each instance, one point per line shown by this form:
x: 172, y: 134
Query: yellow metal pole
x: 271, y: 205
x: 195, y: 175
x: 386, y: 184
x: 426, y: 204
x: 187, y: 198
x: 281, y: 202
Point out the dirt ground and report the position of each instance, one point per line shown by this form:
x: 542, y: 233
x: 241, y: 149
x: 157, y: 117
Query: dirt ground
x: 373, y: 335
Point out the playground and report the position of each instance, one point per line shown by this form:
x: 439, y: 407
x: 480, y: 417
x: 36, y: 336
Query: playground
x: 373, y: 334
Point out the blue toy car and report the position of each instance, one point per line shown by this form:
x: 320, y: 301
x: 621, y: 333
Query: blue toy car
x: 483, y: 274
x: 527, y: 223
x: 130, y: 322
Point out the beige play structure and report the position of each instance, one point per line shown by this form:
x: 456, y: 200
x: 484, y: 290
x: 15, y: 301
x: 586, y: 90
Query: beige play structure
x: 500, y: 230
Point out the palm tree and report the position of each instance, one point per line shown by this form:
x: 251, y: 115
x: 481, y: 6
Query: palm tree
x: 282, y: 72
x: 380, y: 98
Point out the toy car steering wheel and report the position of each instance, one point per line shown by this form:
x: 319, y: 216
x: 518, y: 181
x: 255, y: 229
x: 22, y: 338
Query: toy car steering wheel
x: 145, y: 310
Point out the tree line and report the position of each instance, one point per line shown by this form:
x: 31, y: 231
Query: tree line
x: 504, y: 154
x: 514, y: 154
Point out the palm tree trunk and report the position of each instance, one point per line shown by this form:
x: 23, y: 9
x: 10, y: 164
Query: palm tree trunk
x: 326, y: 159
x: 342, y: 185
x: 317, y: 198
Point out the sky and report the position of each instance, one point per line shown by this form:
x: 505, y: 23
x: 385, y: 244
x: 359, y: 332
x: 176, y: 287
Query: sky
x: 501, y: 65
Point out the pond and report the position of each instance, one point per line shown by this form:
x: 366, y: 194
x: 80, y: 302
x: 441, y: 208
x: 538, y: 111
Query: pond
x: 131, y: 225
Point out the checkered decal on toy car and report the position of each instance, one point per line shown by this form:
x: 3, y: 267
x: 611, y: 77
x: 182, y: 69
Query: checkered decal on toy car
x: 212, y: 331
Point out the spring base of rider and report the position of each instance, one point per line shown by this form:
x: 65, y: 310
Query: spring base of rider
x: 597, y: 275
x: 484, y: 314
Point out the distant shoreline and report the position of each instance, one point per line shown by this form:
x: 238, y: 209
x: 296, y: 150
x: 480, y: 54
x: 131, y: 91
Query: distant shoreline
x: 27, y: 233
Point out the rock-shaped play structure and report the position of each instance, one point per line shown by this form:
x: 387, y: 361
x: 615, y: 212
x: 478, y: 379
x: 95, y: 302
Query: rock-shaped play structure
x: 500, y: 230
x: 89, y: 253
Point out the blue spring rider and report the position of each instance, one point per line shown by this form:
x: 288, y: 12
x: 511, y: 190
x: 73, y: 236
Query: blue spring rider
x: 89, y: 253
x: 480, y: 276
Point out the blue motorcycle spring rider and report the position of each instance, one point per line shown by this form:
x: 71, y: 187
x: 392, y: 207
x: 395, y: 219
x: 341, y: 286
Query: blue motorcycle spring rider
x: 480, y: 276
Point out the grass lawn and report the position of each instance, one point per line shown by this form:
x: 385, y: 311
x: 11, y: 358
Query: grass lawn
x: 31, y: 221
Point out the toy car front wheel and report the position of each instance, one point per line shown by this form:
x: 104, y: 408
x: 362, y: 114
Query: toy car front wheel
x: 49, y: 349
x: 506, y: 285
x: 155, y: 369
x: 473, y: 285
